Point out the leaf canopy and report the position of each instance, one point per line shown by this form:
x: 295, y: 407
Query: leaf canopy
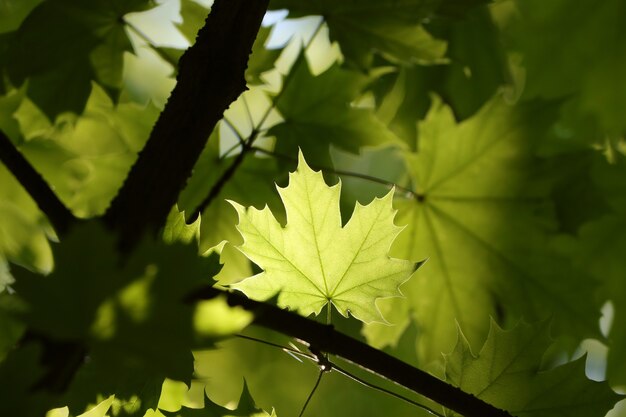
x: 520, y: 218
x: 360, y: 27
x: 128, y: 317
x: 506, y: 373
x: 598, y: 247
x: 586, y: 68
x: 84, y: 42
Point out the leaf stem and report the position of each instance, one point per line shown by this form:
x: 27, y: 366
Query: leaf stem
x: 248, y: 111
x: 385, y: 390
x: 329, y: 312
x: 289, y: 77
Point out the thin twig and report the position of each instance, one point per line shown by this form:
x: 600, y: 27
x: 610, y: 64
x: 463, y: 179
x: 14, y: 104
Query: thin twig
x: 281, y: 347
x: 235, y: 131
x: 210, y: 77
x: 248, y: 112
x: 334, y: 366
x: 227, y: 175
x: 60, y: 216
x: 228, y: 151
x: 384, y: 390
x: 317, y: 383
x: 288, y: 77
x: 221, y: 182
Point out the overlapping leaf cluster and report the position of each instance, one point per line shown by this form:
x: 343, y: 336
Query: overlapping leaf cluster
x: 127, y: 316
x: 500, y: 124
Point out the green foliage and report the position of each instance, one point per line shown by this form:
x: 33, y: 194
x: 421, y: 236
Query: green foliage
x: 480, y: 179
x: 313, y: 261
x: 22, y: 239
x: 87, y: 157
x: 598, y: 250
x: 127, y: 313
x: 307, y: 123
x: 84, y: 41
x: 245, y: 408
x: 499, y: 126
x: 589, y: 65
x: 507, y: 374
x: 252, y: 185
x: 390, y: 27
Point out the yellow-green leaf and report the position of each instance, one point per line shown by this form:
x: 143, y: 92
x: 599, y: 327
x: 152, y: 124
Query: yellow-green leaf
x: 313, y: 260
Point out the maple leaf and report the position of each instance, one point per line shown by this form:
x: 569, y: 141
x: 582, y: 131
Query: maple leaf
x: 507, y: 374
x: 85, y: 42
x: 482, y: 221
x: 314, y: 261
x: 474, y: 48
x: 313, y: 127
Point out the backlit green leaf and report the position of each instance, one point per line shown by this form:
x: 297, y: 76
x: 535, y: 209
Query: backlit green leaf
x: 194, y: 15
x: 507, y: 374
x: 481, y: 218
x: 314, y: 261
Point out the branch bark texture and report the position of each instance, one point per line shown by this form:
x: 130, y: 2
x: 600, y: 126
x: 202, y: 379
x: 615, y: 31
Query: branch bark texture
x: 59, y: 216
x: 210, y: 78
x: 326, y: 339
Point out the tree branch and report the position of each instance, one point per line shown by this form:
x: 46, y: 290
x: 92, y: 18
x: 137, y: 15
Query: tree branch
x: 59, y: 216
x: 326, y: 339
x: 246, y: 144
x: 210, y: 78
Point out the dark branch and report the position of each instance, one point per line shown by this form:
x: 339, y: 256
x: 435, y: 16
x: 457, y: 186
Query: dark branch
x: 34, y: 184
x: 326, y: 339
x: 210, y: 78
x: 247, y: 144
